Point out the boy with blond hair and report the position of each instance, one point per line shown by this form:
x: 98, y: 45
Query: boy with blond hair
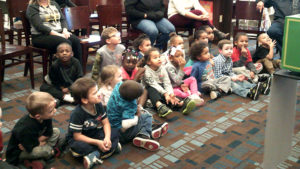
x: 110, y: 53
x: 90, y: 134
x: 33, y: 136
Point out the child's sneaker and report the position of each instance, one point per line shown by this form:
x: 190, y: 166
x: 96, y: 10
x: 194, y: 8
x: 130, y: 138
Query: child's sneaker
x: 198, y: 100
x: 159, y: 130
x: 145, y: 142
x: 255, y: 91
x: 266, y: 86
x: 91, y: 159
x: 163, y: 110
x: 188, y: 106
x: 214, y: 95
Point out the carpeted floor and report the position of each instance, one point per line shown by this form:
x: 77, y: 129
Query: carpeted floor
x: 226, y: 133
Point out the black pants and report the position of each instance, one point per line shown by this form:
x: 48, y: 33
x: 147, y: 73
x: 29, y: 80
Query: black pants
x: 51, y: 42
x: 84, y: 148
x: 155, y: 96
x: 55, y: 92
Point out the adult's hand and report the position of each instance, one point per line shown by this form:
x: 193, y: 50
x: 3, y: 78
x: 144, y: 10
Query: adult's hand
x: 260, y: 6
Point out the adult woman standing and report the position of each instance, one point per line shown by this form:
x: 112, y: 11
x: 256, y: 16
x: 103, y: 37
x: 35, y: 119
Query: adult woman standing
x: 190, y: 13
x: 148, y: 16
x: 49, y: 28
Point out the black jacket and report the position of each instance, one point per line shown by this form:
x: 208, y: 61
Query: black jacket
x: 136, y: 10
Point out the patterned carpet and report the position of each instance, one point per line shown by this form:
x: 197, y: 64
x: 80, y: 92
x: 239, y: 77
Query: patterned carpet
x: 226, y: 133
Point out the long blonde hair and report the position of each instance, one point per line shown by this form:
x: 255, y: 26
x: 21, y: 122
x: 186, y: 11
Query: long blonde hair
x: 36, y: 2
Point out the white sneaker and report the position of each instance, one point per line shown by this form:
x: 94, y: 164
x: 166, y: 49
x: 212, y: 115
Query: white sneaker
x: 198, y: 100
x: 68, y: 98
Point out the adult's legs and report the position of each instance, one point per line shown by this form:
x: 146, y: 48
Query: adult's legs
x: 51, y: 42
x: 165, y: 27
x: 148, y: 27
x: 276, y: 33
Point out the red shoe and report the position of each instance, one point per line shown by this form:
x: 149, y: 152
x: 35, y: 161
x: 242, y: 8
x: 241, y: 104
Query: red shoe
x: 146, y: 143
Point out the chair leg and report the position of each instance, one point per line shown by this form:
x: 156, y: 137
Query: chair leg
x: 45, y: 63
x: 1, y: 77
x: 84, y: 57
x: 29, y: 60
x: 2, y: 64
x: 19, y: 33
x: 26, y: 69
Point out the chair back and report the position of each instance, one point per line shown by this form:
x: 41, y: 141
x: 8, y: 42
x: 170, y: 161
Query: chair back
x: 26, y: 27
x: 14, y: 7
x: 110, y: 15
x: 2, y: 34
x: 246, y: 10
x: 77, y: 17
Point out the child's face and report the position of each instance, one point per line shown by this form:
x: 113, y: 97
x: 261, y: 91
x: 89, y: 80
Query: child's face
x: 264, y: 39
x: 242, y: 42
x: 64, y: 53
x: 117, y: 78
x: 154, y: 61
x: 205, y: 55
x: 93, y: 96
x: 49, y: 111
x: 178, y: 41
x: 129, y: 63
x: 145, y: 46
x: 114, y: 38
x: 210, y: 34
x: 226, y: 50
x: 177, y: 58
x: 203, y: 37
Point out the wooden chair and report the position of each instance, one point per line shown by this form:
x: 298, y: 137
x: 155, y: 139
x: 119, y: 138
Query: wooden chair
x: 13, y: 52
x: 246, y: 10
x: 111, y: 15
x: 46, y: 55
x: 14, y: 8
x: 78, y: 18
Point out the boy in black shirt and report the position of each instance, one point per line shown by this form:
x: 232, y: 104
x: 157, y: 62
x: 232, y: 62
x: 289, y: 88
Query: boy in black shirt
x: 33, y: 136
x: 90, y: 134
x: 264, y: 53
x: 63, y: 73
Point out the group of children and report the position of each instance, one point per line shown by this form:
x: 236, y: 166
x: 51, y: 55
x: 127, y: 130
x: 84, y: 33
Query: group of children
x: 110, y: 105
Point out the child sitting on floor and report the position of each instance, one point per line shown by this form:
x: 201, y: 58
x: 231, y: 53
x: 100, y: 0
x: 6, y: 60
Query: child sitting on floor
x: 182, y: 88
x: 242, y: 60
x: 203, y: 72
x: 142, y: 44
x: 63, y: 72
x: 239, y: 84
x: 159, y: 87
x: 264, y: 53
x: 33, y: 137
x: 89, y: 134
x: 110, y: 53
x: 129, y: 68
x: 110, y: 76
x: 135, y: 124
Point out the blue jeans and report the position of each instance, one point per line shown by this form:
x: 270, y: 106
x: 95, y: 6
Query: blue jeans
x: 276, y: 33
x: 158, y: 31
x: 241, y: 88
x: 144, y: 127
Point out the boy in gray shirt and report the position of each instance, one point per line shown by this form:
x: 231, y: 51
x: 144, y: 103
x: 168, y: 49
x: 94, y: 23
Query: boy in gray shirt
x: 110, y: 53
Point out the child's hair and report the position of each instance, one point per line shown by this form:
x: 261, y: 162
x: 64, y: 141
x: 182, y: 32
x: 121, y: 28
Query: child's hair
x: 223, y: 42
x: 106, y: 32
x: 238, y: 35
x: 147, y: 55
x: 173, y: 50
x: 38, y: 102
x: 108, y: 74
x: 63, y: 43
x: 173, y: 36
x: 196, y: 36
x: 196, y: 49
x: 80, y: 88
x: 130, y: 90
x: 128, y: 53
x: 204, y: 27
x: 139, y: 41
